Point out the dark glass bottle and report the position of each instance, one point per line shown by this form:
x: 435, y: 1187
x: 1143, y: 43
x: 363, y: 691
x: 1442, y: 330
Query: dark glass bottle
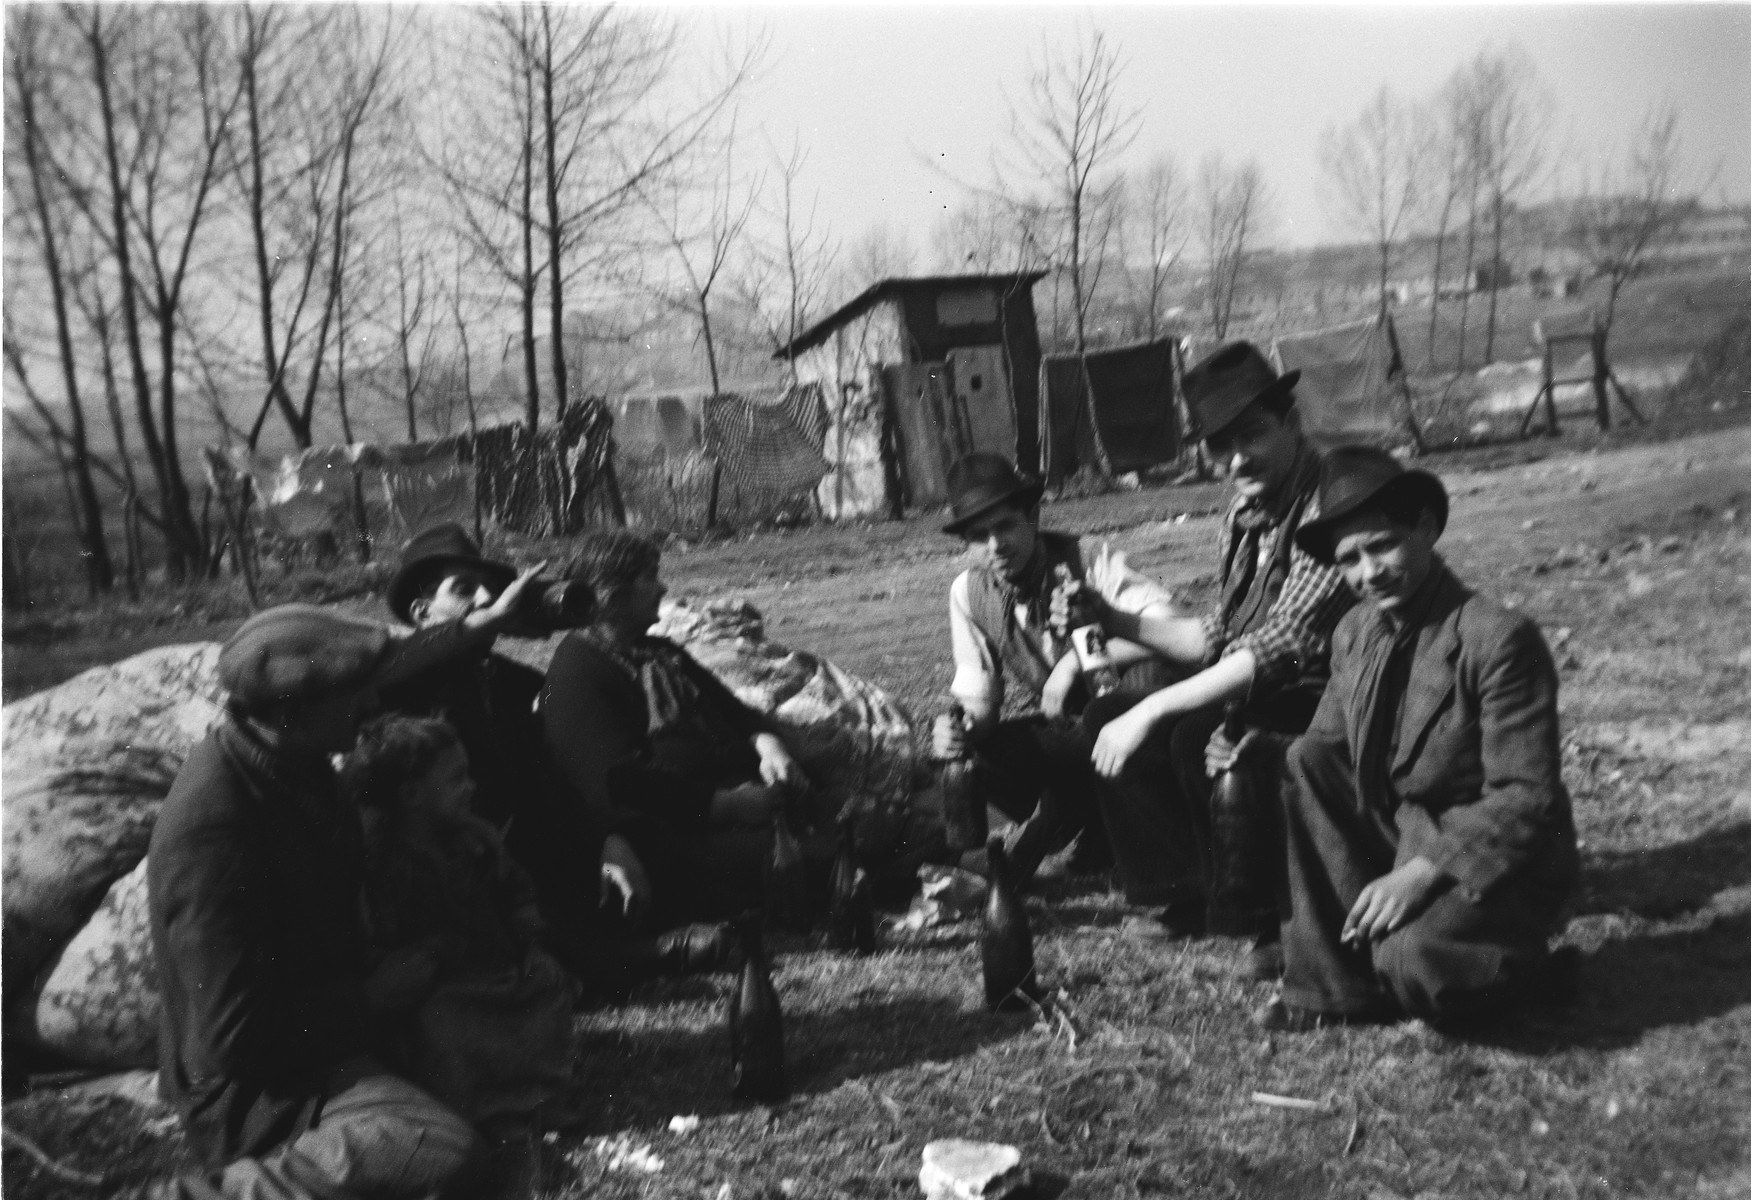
x: 756, y: 1024
x: 550, y: 605
x: 1006, y: 945
x: 963, y: 811
x: 850, y: 915
x: 1095, y: 659
x: 1239, y: 838
x: 787, y: 885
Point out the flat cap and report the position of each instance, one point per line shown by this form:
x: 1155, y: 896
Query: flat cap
x: 300, y: 652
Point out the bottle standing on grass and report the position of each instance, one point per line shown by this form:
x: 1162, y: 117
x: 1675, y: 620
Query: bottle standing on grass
x: 1235, y: 827
x: 963, y: 813
x: 787, y: 884
x: 756, y: 1024
x: 1006, y: 945
x: 850, y: 916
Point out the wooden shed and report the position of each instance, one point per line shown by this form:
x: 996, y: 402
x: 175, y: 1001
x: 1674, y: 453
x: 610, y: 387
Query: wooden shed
x: 916, y: 372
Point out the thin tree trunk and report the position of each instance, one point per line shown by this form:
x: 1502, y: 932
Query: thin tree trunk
x: 100, y: 574
x: 526, y: 216
x: 555, y: 277
x: 1489, y: 343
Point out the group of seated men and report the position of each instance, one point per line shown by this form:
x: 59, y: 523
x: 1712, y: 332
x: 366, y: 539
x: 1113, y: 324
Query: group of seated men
x: 1409, y: 847
x: 1412, y: 853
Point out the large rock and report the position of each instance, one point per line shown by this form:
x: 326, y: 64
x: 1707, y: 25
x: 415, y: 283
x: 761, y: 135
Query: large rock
x: 855, y: 743
x: 88, y: 763
x: 97, y: 1001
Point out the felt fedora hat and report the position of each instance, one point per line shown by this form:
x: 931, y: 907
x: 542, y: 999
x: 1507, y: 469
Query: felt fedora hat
x: 980, y: 482
x: 1354, y: 477
x: 432, y: 551
x: 1220, y: 387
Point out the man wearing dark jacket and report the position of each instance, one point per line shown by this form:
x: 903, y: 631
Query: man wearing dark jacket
x: 1260, y: 656
x: 593, y: 886
x: 254, y: 876
x: 1431, y: 844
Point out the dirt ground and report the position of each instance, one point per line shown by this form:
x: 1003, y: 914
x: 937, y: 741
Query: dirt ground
x: 1636, y: 561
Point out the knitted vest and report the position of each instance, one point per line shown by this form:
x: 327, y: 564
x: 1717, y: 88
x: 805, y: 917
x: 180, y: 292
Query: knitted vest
x: 991, y: 602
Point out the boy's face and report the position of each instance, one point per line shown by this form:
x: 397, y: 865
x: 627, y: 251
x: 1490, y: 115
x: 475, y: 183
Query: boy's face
x: 1258, y: 448
x: 1382, y: 562
x: 446, y: 789
x: 1007, y: 536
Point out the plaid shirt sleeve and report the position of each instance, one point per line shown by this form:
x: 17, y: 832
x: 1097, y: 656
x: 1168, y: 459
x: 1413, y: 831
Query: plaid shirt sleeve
x: 1297, y: 631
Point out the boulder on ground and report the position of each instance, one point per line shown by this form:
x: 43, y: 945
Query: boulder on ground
x: 97, y: 1001
x: 851, y: 738
x: 87, y: 764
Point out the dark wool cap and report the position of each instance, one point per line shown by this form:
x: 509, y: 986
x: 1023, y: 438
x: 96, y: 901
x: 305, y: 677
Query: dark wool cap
x: 300, y: 652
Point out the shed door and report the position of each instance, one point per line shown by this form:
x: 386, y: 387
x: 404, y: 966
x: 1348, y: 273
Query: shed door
x: 928, y: 435
x: 979, y: 376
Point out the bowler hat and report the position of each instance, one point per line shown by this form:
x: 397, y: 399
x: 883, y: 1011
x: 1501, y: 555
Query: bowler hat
x: 980, y: 482
x: 1220, y: 387
x: 300, y: 652
x: 1354, y: 477
x: 436, y: 551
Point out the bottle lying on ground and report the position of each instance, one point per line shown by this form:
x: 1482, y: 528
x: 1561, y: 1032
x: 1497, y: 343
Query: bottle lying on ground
x: 1006, y: 944
x: 756, y: 1024
x: 963, y: 810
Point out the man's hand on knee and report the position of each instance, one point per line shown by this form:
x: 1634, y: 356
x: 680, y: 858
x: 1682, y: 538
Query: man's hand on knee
x: 1391, y: 901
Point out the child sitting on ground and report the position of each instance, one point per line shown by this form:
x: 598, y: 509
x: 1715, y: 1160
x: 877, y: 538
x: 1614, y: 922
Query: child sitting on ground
x: 494, y: 1037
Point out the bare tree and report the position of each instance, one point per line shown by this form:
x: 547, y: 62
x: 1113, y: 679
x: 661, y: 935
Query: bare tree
x: 786, y: 273
x: 1634, y: 207
x: 1375, y: 170
x: 26, y: 79
x: 1069, y: 131
x: 1231, y: 205
x: 295, y: 168
x: 1159, y: 205
x: 882, y: 251
x: 703, y: 227
x: 164, y: 98
x: 1506, y: 114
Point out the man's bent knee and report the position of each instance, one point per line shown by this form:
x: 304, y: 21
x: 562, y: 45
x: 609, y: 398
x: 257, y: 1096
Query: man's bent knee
x: 384, y: 1136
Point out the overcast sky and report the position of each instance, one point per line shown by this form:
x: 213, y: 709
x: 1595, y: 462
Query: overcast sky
x: 878, y: 93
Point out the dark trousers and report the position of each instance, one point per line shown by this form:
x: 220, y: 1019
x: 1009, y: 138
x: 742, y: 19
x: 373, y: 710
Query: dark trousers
x: 377, y: 1135
x: 1459, y: 959
x: 1037, y: 771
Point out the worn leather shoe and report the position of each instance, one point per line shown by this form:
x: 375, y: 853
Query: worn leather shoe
x: 692, y: 950
x: 1278, y: 1016
x: 1184, y: 918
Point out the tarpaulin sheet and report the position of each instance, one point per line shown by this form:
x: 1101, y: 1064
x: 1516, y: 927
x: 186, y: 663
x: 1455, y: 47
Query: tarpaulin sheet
x: 1133, y: 409
x: 1349, y: 388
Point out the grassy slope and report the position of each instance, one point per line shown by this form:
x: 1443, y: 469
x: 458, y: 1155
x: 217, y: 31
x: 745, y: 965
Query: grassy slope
x: 1644, y: 1090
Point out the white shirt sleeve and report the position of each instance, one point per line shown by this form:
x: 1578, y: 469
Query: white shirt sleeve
x: 1128, y: 590
x: 978, y: 681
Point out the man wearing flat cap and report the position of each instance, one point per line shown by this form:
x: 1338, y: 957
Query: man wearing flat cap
x: 1430, y: 840
x: 1262, y: 655
x: 1034, y: 766
x: 253, y: 877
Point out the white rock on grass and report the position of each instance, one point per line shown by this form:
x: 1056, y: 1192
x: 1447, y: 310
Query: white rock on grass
x: 957, y: 1169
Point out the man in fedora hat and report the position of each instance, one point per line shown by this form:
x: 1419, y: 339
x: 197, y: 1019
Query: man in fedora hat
x: 1262, y: 653
x: 1430, y: 840
x: 490, y: 699
x: 1035, y: 767
x: 253, y: 879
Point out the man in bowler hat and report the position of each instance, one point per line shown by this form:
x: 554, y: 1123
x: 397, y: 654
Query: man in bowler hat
x: 1262, y: 653
x: 1034, y: 767
x: 1431, y: 843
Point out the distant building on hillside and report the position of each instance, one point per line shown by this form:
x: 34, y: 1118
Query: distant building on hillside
x: 916, y: 372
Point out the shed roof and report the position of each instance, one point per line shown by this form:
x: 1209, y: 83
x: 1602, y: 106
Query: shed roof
x: 885, y: 289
